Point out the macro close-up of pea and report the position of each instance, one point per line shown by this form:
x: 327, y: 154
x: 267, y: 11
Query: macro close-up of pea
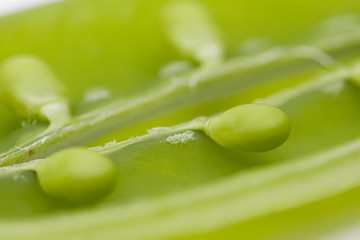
x: 179, y: 120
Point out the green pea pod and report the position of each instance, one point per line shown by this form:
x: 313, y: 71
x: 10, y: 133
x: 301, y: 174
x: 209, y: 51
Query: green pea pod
x: 176, y: 174
x: 209, y: 178
x: 230, y: 80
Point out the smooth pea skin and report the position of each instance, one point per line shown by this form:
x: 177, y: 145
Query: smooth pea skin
x: 250, y: 127
x: 77, y: 175
x: 191, y: 30
x: 27, y: 84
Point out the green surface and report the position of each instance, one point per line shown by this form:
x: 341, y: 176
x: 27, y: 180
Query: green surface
x: 250, y: 127
x: 177, y: 183
x: 77, y: 175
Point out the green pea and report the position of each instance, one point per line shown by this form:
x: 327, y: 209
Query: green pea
x: 191, y: 30
x: 77, y: 175
x: 29, y: 86
x: 250, y: 127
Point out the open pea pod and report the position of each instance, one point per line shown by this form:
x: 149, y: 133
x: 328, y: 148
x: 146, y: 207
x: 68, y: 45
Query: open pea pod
x: 172, y: 175
x: 189, y: 181
x: 172, y: 100
x: 233, y: 82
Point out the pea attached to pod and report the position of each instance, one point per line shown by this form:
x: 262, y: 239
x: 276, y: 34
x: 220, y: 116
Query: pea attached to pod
x: 29, y: 86
x: 77, y: 175
x: 190, y: 29
x: 250, y: 127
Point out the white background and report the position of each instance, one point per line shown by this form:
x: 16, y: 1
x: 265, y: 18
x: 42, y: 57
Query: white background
x: 10, y: 6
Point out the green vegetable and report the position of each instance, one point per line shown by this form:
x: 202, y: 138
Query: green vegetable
x: 191, y: 31
x: 231, y: 81
x: 251, y: 127
x: 30, y: 87
x: 238, y: 173
x: 77, y: 175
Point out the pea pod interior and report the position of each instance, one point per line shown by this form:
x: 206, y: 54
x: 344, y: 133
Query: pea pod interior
x: 157, y: 167
x: 122, y: 42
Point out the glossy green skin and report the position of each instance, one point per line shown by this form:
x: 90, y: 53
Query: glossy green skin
x: 192, y: 32
x: 20, y: 77
x: 77, y: 175
x: 250, y: 127
x: 154, y: 169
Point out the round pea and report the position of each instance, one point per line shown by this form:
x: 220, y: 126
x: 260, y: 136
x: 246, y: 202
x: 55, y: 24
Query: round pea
x: 191, y: 30
x: 27, y: 83
x: 77, y: 175
x: 250, y: 127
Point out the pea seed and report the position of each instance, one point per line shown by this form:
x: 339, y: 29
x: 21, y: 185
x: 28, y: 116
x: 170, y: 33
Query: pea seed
x: 250, y: 127
x: 31, y: 89
x: 191, y: 30
x: 77, y: 175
